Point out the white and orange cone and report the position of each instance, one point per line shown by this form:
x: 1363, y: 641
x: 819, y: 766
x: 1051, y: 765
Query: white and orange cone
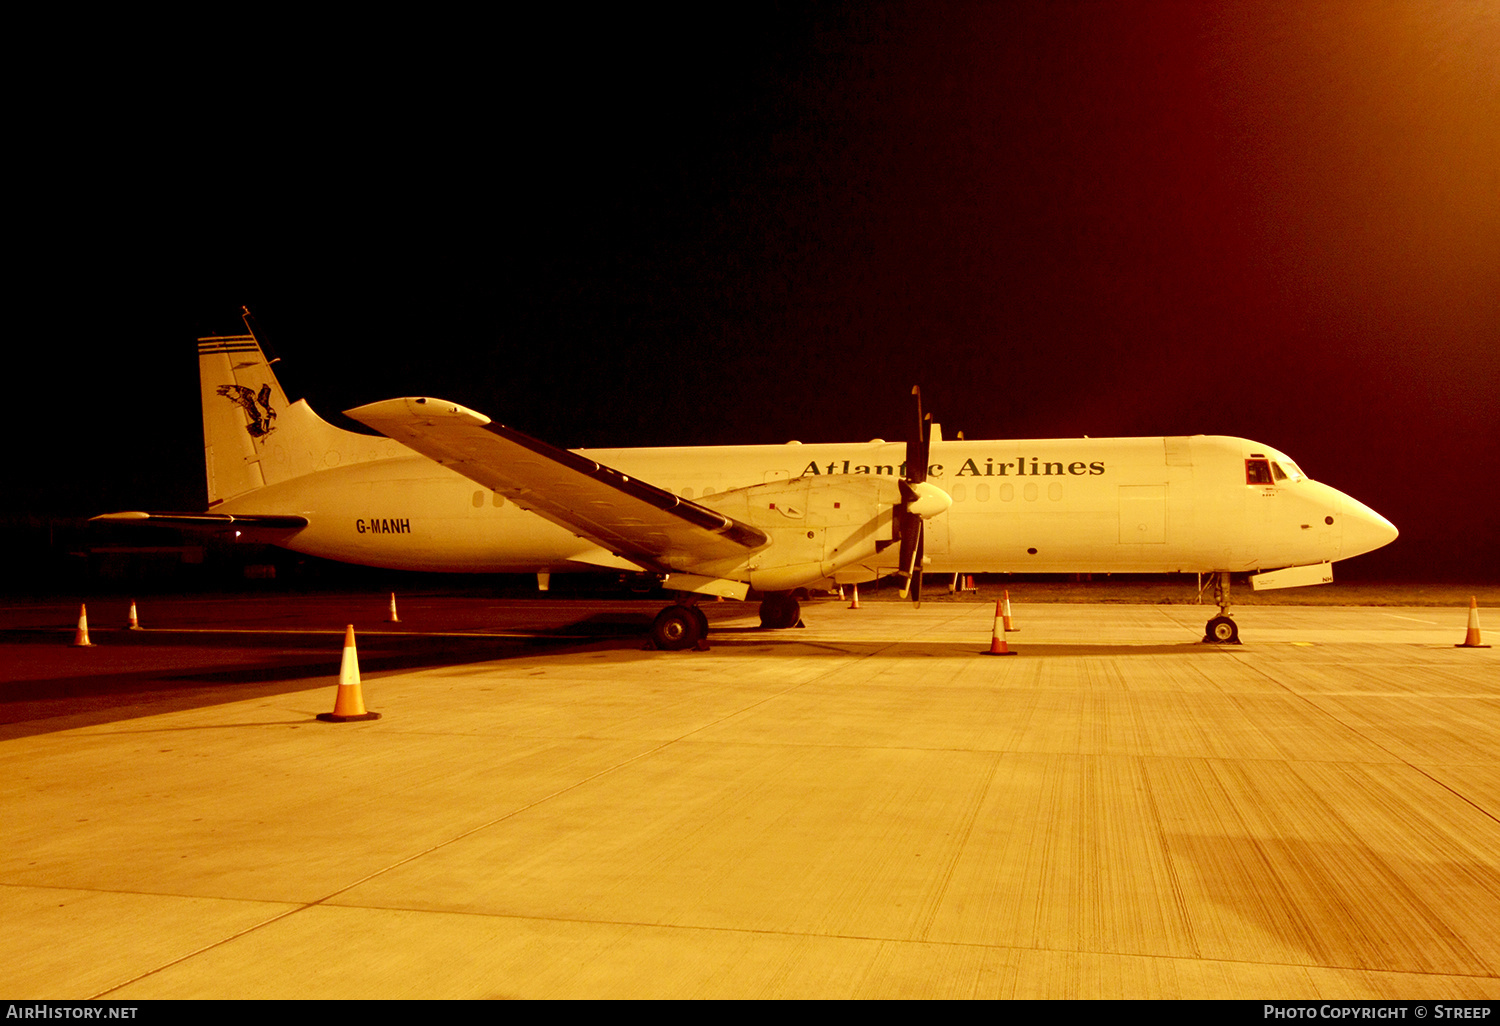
x: 135, y: 621
x: 1471, y: 639
x: 855, y: 603
x: 349, y: 703
x: 393, y: 618
x: 1005, y: 613
x: 997, y: 636
x: 81, y: 635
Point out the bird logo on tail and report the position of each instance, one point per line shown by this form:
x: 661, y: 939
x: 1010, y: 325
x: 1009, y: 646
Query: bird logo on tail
x: 257, y: 408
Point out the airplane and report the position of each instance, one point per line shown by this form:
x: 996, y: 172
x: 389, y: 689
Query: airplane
x: 443, y: 488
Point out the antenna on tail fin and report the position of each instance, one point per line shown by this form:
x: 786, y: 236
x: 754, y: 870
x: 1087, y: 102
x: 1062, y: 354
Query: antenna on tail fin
x: 249, y: 319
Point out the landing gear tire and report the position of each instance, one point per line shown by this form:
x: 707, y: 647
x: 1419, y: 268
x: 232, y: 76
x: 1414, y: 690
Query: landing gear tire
x: 679, y: 627
x: 778, y: 612
x: 1221, y: 630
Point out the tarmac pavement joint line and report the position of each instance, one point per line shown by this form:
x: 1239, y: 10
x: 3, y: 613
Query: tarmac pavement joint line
x: 104, y: 994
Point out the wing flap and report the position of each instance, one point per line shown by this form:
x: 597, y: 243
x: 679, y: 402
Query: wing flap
x: 630, y: 518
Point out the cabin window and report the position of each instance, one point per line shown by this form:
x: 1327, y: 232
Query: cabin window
x: 959, y: 493
x: 497, y: 500
x: 1258, y: 472
x: 687, y: 493
x: 1007, y: 493
x: 478, y: 499
x: 982, y: 492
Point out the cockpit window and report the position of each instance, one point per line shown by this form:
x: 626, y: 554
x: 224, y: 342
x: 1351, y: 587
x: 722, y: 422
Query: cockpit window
x: 1277, y: 472
x: 1258, y: 472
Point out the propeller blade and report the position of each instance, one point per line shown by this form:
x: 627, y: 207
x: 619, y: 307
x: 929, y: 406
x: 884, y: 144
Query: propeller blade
x: 916, y: 568
x: 919, y: 444
x: 909, y: 522
x: 911, y: 555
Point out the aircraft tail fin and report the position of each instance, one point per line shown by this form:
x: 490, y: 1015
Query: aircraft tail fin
x: 252, y: 436
x: 241, y: 403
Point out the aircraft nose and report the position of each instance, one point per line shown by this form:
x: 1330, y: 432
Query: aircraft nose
x: 1364, y: 529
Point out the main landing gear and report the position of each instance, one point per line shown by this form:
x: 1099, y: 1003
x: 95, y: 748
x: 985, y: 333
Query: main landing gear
x: 680, y: 626
x: 780, y: 610
x: 1221, y: 630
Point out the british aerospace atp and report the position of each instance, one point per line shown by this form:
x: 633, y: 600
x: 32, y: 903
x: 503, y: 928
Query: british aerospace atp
x: 448, y: 489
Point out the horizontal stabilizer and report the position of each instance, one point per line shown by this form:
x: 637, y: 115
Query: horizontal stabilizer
x: 210, y: 521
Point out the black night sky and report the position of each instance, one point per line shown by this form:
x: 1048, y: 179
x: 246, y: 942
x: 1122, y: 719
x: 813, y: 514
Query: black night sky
x: 1273, y: 219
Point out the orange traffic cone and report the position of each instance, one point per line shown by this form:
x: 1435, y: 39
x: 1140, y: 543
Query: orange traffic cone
x: 1005, y: 613
x: 393, y: 618
x: 135, y: 623
x: 997, y: 636
x: 855, y: 603
x: 81, y: 636
x: 1471, y: 640
x: 349, y: 703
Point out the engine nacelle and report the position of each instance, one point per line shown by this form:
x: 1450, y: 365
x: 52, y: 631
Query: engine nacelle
x: 817, y: 525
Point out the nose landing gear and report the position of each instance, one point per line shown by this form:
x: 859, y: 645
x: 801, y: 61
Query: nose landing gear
x: 1221, y: 630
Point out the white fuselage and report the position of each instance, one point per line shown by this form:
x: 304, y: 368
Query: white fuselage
x: 1048, y: 505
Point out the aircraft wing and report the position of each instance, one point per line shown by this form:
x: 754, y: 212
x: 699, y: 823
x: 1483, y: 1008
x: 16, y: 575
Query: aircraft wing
x: 641, y: 522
